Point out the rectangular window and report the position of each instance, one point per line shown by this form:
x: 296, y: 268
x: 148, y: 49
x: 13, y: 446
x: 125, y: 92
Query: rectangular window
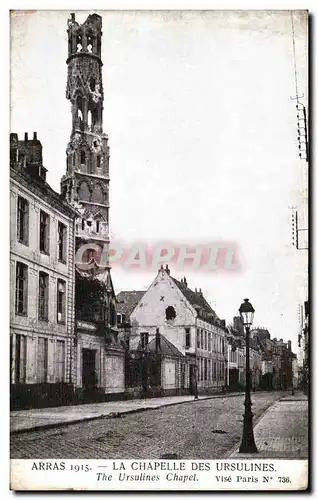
x: 42, y: 360
x: 61, y: 242
x: 21, y: 290
x: 205, y: 369
x: 144, y: 339
x: 209, y: 369
x: 201, y: 374
x: 61, y: 301
x: 43, y: 296
x: 60, y: 361
x: 20, y: 359
x: 214, y: 370
x: 44, y: 232
x: 209, y: 341
x: 206, y: 340
x: 198, y: 337
x: 23, y: 221
x: 187, y: 338
x: 202, y: 339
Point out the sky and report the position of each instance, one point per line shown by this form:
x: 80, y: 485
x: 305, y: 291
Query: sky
x: 202, y: 134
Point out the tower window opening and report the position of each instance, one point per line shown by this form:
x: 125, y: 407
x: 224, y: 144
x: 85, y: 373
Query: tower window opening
x: 83, y: 158
x: 74, y: 159
x: 94, y: 116
x: 98, y: 161
x: 79, y: 44
x: 89, y: 44
x: 92, y: 84
x: 83, y: 224
x: 89, y: 118
x: 79, y: 104
x: 97, y: 226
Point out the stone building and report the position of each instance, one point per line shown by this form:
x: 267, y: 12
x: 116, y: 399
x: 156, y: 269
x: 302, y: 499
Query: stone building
x: 85, y: 185
x: 42, y: 281
x: 185, y: 319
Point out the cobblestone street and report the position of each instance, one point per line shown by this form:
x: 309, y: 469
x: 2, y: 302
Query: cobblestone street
x: 197, y: 430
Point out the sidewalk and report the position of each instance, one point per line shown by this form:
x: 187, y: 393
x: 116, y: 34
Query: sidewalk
x: 28, y: 420
x: 282, y: 432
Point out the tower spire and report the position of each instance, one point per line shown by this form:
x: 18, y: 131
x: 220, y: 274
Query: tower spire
x: 86, y: 182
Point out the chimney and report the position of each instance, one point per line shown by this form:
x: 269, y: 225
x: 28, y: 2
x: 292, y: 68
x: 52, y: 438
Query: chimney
x: 157, y: 340
x: 200, y: 293
x: 185, y: 281
x: 181, y: 281
x: 72, y: 17
x: 35, y: 136
x: 167, y: 269
x: 25, y: 136
x: 196, y: 291
x: 13, y: 137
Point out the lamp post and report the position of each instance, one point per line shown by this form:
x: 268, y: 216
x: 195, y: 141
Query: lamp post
x: 247, y: 445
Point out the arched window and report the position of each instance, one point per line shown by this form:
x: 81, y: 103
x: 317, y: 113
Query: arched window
x: 89, y: 118
x: 84, y: 193
x: 79, y: 105
x: 89, y: 43
x: 79, y: 44
x: 98, y: 195
x: 83, y: 158
x: 92, y: 83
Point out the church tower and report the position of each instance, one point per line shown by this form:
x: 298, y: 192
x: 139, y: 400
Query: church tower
x: 86, y: 182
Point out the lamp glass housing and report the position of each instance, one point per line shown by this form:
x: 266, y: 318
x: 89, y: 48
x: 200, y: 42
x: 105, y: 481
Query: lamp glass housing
x: 246, y: 311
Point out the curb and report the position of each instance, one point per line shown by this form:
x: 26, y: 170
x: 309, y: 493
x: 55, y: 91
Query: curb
x: 256, y: 422
x: 114, y: 414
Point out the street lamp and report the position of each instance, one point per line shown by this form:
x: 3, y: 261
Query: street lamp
x: 247, y: 445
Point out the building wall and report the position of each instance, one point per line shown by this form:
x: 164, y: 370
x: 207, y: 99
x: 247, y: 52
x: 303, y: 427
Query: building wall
x: 169, y: 373
x: 211, y: 355
x: 109, y: 363
x: 29, y: 325
x: 150, y: 314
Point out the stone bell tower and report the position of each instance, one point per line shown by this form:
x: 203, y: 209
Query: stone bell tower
x: 86, y: 182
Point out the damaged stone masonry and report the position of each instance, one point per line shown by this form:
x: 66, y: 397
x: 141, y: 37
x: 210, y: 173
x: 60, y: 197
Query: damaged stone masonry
x: 71, y: 339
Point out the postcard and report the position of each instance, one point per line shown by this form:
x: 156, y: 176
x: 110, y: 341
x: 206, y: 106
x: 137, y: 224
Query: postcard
x: 159, y: 323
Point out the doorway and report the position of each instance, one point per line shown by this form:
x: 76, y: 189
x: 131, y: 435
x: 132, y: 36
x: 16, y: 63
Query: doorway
x: 193, y: 380
x: 89, y: 375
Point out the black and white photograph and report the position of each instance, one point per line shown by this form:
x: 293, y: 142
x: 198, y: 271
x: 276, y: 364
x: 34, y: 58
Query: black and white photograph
x: 159, y: 309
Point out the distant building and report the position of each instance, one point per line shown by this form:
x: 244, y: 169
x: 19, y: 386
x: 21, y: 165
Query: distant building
x: 42, y: 281
x: 185, y: 319
x: 126, y: 303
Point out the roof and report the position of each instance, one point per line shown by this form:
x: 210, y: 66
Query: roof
x: 127, y: 301
x: 198, y: 301
x: 42, y: 189
x: 165, y: 347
